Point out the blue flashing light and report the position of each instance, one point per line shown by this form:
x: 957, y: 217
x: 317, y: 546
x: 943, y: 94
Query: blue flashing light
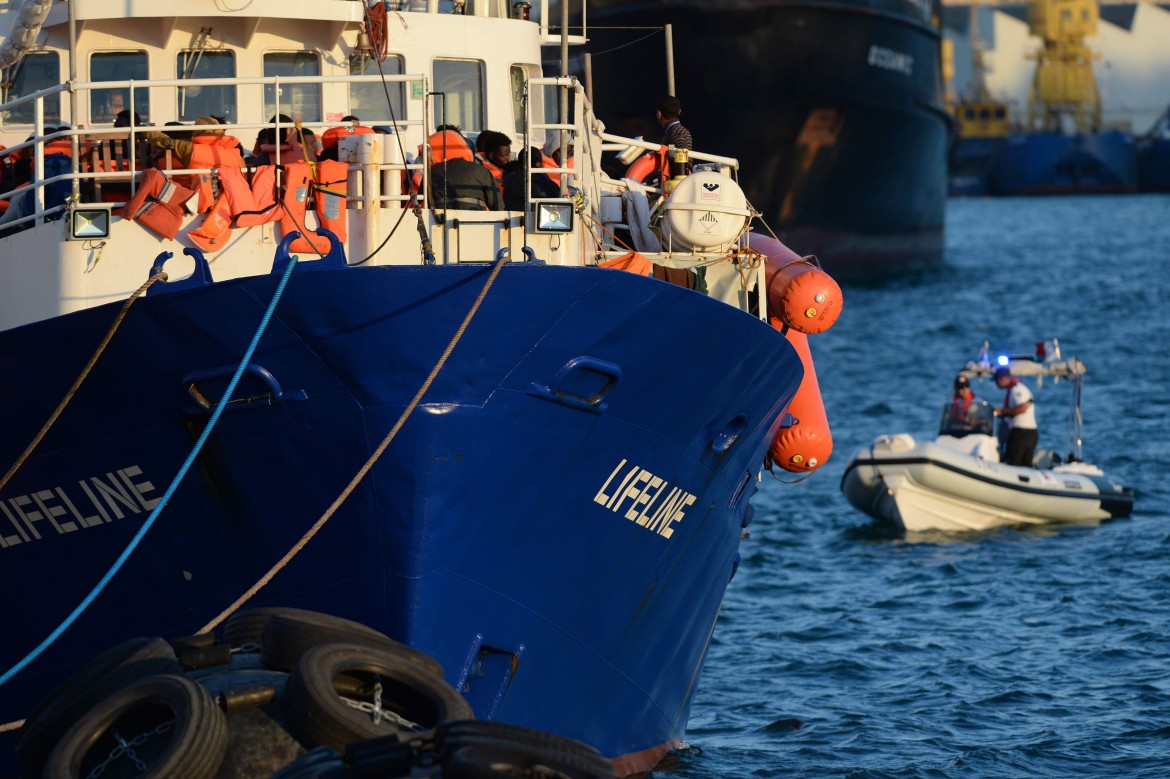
x: 1003, y: 360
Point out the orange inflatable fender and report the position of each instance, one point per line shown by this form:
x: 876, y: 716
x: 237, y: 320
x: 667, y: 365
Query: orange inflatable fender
x: 807, y: 443
x: 649, y: 163
x: 800, y: 294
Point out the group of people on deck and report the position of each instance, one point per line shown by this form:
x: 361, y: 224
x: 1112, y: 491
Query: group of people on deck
x: 1018, y: 412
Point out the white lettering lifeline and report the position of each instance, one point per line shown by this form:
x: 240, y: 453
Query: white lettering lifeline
x: 60, y: 510
x: 645, y: 499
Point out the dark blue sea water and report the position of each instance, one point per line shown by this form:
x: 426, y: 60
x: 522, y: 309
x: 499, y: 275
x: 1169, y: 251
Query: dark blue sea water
x: 842, y: 651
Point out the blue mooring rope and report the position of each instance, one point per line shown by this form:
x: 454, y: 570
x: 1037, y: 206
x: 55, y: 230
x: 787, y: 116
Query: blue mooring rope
x: 101, y: 585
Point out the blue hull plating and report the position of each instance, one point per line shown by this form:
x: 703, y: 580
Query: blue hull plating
x: 498, y: 532
x: 1154, y: 165
x: 1052, y: 163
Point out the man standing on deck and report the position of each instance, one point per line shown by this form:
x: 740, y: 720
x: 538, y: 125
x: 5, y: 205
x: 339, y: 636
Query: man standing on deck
x: 673, y: 133
x: 1019, y: 412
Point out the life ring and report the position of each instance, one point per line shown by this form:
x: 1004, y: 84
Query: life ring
x: 377, y: 30
x: 104, y: 674
x: 319, y: 715
x: 187, y: 733
x: 648, y: 164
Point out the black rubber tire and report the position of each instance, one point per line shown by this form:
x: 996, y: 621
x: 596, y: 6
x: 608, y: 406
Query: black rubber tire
x: 450, y: 737
x: 378, y: 758
x: 501, y: 760
x: 193, y: 747
x: 102, y: 675
x: 245, y: 628
x: 290, y: 634
x: 319, y: 763
x: 317, y: 713
x: 453, y: 735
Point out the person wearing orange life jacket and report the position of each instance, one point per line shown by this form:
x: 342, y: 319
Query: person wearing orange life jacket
x: 493, y: 150
x: 330, y: 137
x: 207, y: 149
x: 964, y: 414
x: 413, y: 179
x: 457, y: 181
x: 296, y: 143
x: 58, y: 157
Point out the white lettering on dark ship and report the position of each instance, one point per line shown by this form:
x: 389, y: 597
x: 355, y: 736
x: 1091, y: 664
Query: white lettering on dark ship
x: 60, y: 510
x: 888, y: 59
x: 643, y: 498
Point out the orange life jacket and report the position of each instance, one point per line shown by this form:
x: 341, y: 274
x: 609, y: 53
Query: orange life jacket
x: 264, y: 206
x: 239, y: 193
x: 158, y: 204
x: 215, y: 230
x: 327, y: 193
x: 496, y: 171
x: 331, y: 136
x: 208, y: 152
x: 59, y: 146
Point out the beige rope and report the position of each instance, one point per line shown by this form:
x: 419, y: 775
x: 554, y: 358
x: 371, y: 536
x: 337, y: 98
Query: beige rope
x: 312, y: 531
x: 9, y: 726
x: 161, y: 275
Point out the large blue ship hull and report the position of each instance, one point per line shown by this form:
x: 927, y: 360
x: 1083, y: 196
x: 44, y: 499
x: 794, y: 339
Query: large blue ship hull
x: 1045, y: 163
x: 556, y: 523
x: 839, y: 105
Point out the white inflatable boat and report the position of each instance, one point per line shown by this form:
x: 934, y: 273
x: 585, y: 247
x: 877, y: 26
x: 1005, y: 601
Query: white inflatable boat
x: 956, y: 482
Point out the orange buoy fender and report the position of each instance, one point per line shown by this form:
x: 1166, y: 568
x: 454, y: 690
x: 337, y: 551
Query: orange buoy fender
x: 800, y: 294
x: 649, y: 163
x: 805, y: 445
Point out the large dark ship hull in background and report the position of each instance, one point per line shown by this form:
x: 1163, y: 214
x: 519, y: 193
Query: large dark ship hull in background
x: 842, y: 114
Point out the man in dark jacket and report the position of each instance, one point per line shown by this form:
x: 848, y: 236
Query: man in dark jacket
x: 457, y: 180
x: 513, y: 180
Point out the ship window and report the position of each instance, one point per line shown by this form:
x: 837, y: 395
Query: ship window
x: 460, y: 84
x: 969, y: 114
x: 1000, y: 113
x: 518, y: 74
x: 368, y: 101
x: 106, y: 104
x: 32, y: 72
x: 300, y: 101
x: 196, y: 101
x: 984, y: 114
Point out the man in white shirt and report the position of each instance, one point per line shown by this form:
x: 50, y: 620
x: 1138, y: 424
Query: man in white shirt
x: 1019, y: 412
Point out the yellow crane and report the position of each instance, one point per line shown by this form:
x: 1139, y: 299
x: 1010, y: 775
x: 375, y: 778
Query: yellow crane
x: 1064, y: 88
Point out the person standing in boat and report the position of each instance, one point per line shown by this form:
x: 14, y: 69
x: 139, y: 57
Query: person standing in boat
x: 1019, y: 412
x: 673, y: 133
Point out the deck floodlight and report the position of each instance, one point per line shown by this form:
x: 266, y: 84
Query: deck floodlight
x: 87, y: 224
x: 553, y: 216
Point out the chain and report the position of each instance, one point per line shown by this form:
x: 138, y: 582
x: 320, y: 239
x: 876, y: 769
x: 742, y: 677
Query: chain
x: 377, y: 713
x: 127, y: 748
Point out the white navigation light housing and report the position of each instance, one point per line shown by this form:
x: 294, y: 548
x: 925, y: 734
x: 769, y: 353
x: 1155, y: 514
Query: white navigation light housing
x: 553, y: 216
x: 87, y: 224
x: 706, y: 212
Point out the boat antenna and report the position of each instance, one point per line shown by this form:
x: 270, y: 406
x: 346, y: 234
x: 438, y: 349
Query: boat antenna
x: 1075, y: 421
